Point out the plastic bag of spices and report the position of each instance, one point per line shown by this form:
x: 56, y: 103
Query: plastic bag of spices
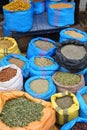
x: 42, y: 66
x: 82, y: 99
x: 68, y: 81
x: 74, y: 34
x: 44, y: 121
x: 21, y: 61
x: 57, y: 14
x: 72, y: 55
x: 18, y: 16
x: 11, y: 78
x: 8, y: 45
x: 75, y: 124
x: 66, y: 106
x: 41, y: 47
x: 40, y: 87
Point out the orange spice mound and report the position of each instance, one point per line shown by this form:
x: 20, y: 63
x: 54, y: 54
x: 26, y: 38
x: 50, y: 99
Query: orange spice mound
x: 60, y: 5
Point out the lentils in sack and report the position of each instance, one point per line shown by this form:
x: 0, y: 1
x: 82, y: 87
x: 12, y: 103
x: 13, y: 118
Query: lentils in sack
x: 60, y: 5
x: 5, y: 43
x: 85, y: 97
x: 44, y: 45
x: 79, y: 126
x: 17, y: 62
x: 74, y: 34
x: 64, y: 102
x: 39, y: 86
x: 7, y: 74
x: 19, y: 112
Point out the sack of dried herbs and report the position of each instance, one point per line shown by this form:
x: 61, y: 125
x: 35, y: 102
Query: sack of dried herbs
x: 18, y: 16
x: 20, y: 111
x: 41, y: 46
x: 42, y: 66
x: 8, y: 45
x: 10, y: 78
x: 68, y: 81
x: 21, y: 61
x: 66, y: 106
x: 75, y: 124
x: 72, y: 55
x: 73, y: 33
x: 82, y: 99
x: 40, y: 87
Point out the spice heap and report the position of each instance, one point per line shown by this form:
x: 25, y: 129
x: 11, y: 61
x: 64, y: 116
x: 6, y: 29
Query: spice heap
x: 44, y: 45
x: 39, y: 86
x: 85, y: 97
x: 60, y: 5
x: 67, y: 79
x: 79, y: 126
x: 5, y: 43
x: 17, y: 5
x: 20, y: 112
x: 42, y: 62
x: 74, y: 34
x: 37, y: 0
x: 64, y: 102
x: 7, y: 74
x: 73, y: 51
x: 17, y: 62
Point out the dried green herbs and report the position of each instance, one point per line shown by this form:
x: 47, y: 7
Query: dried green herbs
x: 20, y: 112
x: 67, y: 79
x: 85, y: 97
x: 64, y: 102
x: 39, y: 86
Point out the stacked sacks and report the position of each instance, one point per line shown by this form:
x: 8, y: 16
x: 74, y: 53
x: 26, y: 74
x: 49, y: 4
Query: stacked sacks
x: 74, y: 34
x: 38, y: 6
x: 41, y: 47
x: 76, y: 124
x: 40, y: 87
x: 30, y: 113
x: 66, y: 106
x: 19, y: 60
x: 8, y: 45
x: 18, y: 16
x: 57, y: 14
x: 42, y: 66
x: 82, y: 99
x: 11, y: 78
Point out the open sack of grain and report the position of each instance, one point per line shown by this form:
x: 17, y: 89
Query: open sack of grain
x: 73, y: 33
x: 76, y: 124
x: 68, y: 81
x: 19, y: 60
x: 42, y: 66
x: 18, y: 16
x: 66, y: 106
x: 20, y: 111
x: 41, y: 47
x: 61, y: 14
x: 11, y: 78
x: 72, y: 55
x: 82, y: 99
x: 8, y: 45
x: 40, y: 87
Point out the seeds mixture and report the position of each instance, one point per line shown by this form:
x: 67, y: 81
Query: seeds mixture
x: 17, y: 5
x: 60, y: 5
x: 79, y: 126
x: 44, y: 45
x: 39, y: 86
x: 42, y: 62
x: 85, y: 97
x: 5, y: 43
x: 73, y: 52
x: 74, y: 34
x: 64, y: 102
x: 7, y: 74
x: 17, y: 62
x: 67, y: 79
x: 20, y: 112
